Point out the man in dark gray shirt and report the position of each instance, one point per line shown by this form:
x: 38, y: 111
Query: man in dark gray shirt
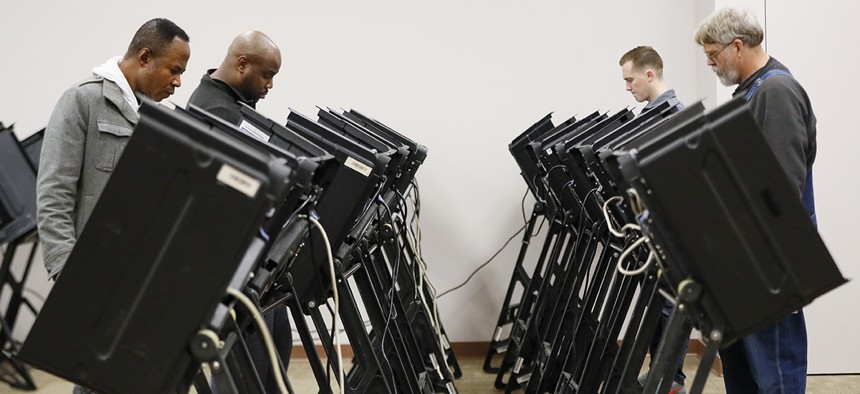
x: 244, y: 77
x: 642, y: 70
x: 774, y: 359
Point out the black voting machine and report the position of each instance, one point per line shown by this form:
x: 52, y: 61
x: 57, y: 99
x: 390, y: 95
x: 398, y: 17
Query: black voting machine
x: 19, y: 162
x: 684, y: 206
x: 198, y: 209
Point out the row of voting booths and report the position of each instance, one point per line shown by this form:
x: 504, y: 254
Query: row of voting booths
x: 204, y: 227
x: 672, y: 205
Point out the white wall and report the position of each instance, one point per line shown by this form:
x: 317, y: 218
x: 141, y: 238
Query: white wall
x: 463, y: 78
x: 818, y: 43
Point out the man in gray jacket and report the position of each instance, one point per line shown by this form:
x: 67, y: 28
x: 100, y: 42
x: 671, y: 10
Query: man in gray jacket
x: 90, y: 126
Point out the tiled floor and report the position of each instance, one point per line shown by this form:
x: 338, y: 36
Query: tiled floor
x: 475, y: 381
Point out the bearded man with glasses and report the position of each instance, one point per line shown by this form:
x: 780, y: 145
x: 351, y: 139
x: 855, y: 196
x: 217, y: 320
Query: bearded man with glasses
x: 774, y: 359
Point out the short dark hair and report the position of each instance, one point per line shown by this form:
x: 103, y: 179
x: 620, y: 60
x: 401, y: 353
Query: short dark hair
x: 644, y: 57
x: 156, y: 34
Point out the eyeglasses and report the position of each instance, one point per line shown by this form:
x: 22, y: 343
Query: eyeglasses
x: 711, y: 56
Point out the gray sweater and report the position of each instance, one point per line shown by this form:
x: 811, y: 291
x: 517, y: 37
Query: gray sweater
x: 784, y: 113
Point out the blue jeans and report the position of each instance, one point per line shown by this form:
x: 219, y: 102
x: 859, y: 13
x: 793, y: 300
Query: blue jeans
x: 769, y: 361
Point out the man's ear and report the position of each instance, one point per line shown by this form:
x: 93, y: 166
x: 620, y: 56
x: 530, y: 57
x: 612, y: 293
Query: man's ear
x: 738, y: 43
x: 650, y: 74
x: 144, y: 56
x: 241, y: 64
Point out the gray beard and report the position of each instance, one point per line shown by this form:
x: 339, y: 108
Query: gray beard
x: 729, y: 79
x: 729, y: 76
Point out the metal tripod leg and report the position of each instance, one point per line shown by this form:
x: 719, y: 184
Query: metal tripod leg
x: 714, y: 339
x: 507, y: 315
x: 19, y: 376
x: 665, y: 362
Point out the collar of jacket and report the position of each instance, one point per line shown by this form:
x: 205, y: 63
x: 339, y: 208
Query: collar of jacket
x: 113, y: 93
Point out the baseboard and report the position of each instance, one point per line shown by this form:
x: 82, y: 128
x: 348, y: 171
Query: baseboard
x: 478, y: 350
x: 461, y: 350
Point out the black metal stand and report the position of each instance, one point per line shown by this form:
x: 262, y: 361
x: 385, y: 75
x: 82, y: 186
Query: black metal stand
x: 13, y: 371
x: 520, y: 279
x: 231, y: 366
x: 663, y: 366
x: 563, y: 337
x: 631, y: 355
x: 553, y: 243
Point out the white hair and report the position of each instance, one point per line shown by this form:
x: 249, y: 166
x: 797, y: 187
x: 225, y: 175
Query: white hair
x: 727, y: 24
